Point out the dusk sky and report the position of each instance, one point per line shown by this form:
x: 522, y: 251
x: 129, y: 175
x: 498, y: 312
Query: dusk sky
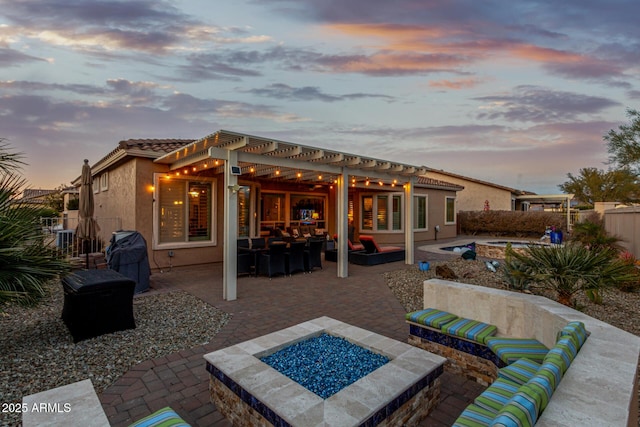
x: 518, y: 93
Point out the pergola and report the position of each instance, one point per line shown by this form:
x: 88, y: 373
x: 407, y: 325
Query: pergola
x: 232, y: 154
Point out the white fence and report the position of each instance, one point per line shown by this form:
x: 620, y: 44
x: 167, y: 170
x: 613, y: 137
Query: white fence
x: 624, y: 223
x: 61, y: 232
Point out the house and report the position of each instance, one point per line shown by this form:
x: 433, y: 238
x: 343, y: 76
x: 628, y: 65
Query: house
x: 192, y: 199
x: 480, y: 195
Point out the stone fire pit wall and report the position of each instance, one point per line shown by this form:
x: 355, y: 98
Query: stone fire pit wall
x: 250, y: 393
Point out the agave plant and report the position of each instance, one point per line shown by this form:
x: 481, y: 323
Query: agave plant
x: 26, y: 261
x: 570, y: 269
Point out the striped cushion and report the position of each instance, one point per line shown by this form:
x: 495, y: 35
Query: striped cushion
x: 165, y: 417
x: 497, y: 395
x: 522, y: 409
x: 567, y: 348
x: 470, y: 329
x: 474, y: 416
x: 520, y: 371
x: 511, y: 349
x: 431, y: 317
x: 544, y: 388
x: 577, y: 329
x: 553, y: 367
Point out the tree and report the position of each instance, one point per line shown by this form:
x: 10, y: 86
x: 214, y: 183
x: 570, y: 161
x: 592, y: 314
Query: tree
x: 596, y: 185
x: 624, y: 145
x: 26, y: 260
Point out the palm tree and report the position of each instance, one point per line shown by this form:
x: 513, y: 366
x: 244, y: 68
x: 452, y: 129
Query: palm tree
x: 570, y: 269
x: 26, y: 261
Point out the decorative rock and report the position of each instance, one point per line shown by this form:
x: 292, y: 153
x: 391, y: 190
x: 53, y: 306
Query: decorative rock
x: 445, y: 272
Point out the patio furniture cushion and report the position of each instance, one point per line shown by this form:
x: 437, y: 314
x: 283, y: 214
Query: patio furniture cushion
x: 165, y: 417
x: 430, y: 317
x: 552, y: 368
x: 474, y: 416
x: 520, y: 371
x: 511, y: 349
x: 470, y: 329
x: 544, y: 388
x: 371, y: 247
x: 352, y: 246
x: 497, y: 395
x: 521, y: 410
x: 565, y: 348
x: 577, y: 330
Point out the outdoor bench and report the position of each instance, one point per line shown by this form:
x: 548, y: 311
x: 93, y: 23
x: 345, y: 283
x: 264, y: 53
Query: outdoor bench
x: 470, y: 344
x: 601, y: 388
x: 524, y: 388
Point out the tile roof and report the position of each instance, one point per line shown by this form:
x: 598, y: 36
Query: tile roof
x: 423, y: 180
x: 157, y: 145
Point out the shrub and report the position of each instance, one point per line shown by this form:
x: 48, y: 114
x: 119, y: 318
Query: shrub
x: 571, y: 268
x: 509, y: 223
x: 591, y: 233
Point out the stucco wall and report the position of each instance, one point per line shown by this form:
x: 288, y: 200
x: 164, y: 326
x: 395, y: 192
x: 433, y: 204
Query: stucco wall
x: 473, y: 196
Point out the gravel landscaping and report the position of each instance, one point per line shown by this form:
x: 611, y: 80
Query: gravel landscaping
x: 38, y: 352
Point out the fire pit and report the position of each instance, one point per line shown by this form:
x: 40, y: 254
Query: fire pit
x: 250, y: 392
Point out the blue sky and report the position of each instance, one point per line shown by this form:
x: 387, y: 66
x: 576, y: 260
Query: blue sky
x: 518, y: 93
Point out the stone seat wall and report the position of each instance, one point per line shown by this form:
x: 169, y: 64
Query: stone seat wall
x: 601, y: 386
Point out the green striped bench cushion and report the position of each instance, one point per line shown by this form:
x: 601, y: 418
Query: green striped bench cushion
x: 576, y: 329
x: 474, y: 416
x: 469, y: 329
x: 521, y: 410
x: 544, y: 388
x: 431, y: 317
x: 566, y: 348
x: 497, y: 395
x: 511, y: 349
x: 520, y: 371
x: 165, y: 417
x: 553, y: 367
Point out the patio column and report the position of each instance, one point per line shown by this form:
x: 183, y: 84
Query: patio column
x: 408, y: 221
x: 342, y: 202
x: 230, y: 240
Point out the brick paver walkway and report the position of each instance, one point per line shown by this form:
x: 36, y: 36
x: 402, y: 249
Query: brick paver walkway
x: 263, y: 306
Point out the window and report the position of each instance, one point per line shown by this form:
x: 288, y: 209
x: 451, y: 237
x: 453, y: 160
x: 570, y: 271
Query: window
x: 450, y: 210
x: 382, y: 212
x: 185, y: 212
x: 367, y: 212
x: 104, y: 181
x: 420, y: 213
x: 244, y: 211
x: 96, y: 185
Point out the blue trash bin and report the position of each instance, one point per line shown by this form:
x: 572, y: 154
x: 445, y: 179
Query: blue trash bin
x: 556, y: 237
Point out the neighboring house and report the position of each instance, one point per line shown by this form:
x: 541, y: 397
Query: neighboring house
x: 193, y: 199
x: 478, y: 195
x: 37, y: 197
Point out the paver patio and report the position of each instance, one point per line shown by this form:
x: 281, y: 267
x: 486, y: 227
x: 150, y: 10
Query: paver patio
x: 180, y: 380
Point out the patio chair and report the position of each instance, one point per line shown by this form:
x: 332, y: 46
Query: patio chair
x: 374, y: 254
x: 272, y: 261
x: 258, y: 243
x: 313, y: 254
x: 245, y: 259
x: 295, y: 257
